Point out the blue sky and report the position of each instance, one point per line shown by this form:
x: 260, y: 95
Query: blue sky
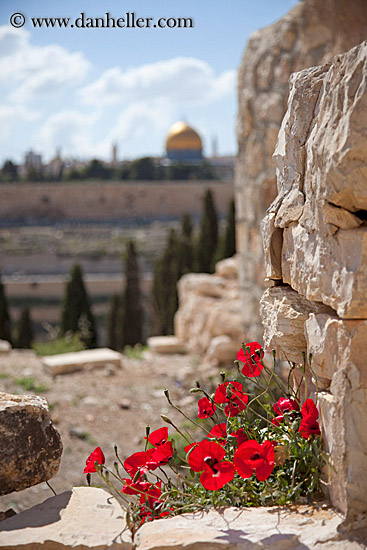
x: 84, y: 89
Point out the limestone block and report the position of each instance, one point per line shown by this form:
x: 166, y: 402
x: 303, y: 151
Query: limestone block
x: 284, y: 313
x: 250, y: 529
x: 66, y: 363
x: 330, y: 269
x: 228, y: 268
x: 222, y: 349
x: 336, y: 166
x: 30, y: 446
x: 201, y: 284
x: 84, y: 518
x: 335, y: 342
x: 166, y: 345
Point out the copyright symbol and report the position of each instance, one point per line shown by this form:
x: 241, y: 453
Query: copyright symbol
x: 17, y: 20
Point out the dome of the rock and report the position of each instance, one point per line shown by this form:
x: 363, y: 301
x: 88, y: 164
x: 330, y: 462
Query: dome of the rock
x: 183, y: 143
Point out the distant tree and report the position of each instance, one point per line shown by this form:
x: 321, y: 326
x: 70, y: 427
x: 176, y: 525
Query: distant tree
x: 73, y: 174
x: 133, y: 317
x: 186, y: 250
x: 97, y: 170
x: 167, y: 271
x: 76, y: 314
x: 228, y: 244
x: 5, y: 325
x: 179, y: 171
x: 142, y: 169
x: 25, y: 335
x: 205, y: 172
x: 208, y: 235
x: 33, y: 174
x: 113, y: 326
x: 9, y: 171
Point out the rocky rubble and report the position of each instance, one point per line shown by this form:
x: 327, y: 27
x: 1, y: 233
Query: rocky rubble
x: 208, y: 320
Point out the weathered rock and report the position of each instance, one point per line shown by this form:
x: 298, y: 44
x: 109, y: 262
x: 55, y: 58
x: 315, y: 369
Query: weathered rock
x: 321, y: 182
x: 5, y: 347
x: 84, y: 518
x: 66, y: 363
x: 209, y: 309
x: 222, y: 349
x: 228, y: 268
x: 249, y: 529
x: 284, y: 313
x: 308, y: 36
x: 166, y: 344
x: 30, y: 446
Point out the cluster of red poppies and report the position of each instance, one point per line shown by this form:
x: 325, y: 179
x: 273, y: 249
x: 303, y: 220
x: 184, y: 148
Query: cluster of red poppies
x: 208, y: 457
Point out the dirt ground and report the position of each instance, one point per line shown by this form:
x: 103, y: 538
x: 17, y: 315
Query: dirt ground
x: 100, y: 407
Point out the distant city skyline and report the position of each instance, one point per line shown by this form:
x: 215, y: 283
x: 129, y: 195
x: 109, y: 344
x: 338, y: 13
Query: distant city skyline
x: 82, y: 90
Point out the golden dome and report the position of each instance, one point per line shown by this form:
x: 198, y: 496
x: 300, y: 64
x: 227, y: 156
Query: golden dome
x: 182, y: 137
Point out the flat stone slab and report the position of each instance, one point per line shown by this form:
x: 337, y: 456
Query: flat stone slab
x: 66, y: 363
x: 166, y: 345
x: 270, y: 528
x: 84, y: 518
x: 88, y: 518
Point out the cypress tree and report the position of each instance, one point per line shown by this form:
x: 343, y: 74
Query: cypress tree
x: 167, y: 271
x: 132, y: 324
x: 113, y: 322
x: 5, y: 327
x: 76, y: 314
x: 228, y: 247
x: 25, y: 334
x: 208, y: 236
x: 186, y: 253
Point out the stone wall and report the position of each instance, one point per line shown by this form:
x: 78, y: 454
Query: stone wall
x: 310, y: 34
x: 315, y: 240
x: 100, y: 200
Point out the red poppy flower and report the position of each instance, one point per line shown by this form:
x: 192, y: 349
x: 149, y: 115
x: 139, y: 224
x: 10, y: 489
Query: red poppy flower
x: 277, y: 420
x: 252, y: 361
x: 221, y: 391
x: 189, y: 447
x: 309, y: 426
x: 151, y: 496
x: 240, y: 435
x: 251, y: 457
x: 207, y: 457
x: 309, y: 409
x: 160, y: 455
x: 96, y: 456
x: 158, y: 437
x: 285, y: 405
x: 232, y: 394
x: 206, y: 408
x: 219, y: 431
x: 138, y: 462
x: 131, y: 488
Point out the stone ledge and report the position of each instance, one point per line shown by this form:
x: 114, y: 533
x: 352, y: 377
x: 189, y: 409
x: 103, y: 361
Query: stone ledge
x: 87, y: 518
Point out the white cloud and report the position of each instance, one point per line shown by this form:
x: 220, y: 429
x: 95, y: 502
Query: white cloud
x: 69, y: 130
x: 38, y: 71
x: 11, y: 115
x: 180, y: 80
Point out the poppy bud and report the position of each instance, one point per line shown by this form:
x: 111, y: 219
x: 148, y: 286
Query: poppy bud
x: 166, y: 419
